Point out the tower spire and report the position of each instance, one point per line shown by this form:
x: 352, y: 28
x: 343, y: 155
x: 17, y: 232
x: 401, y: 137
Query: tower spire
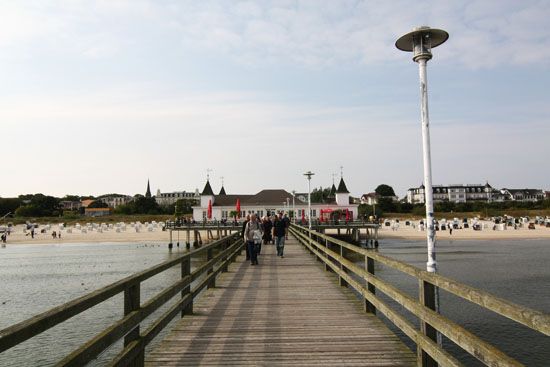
x: 148, y: 192
x: 208, y: 170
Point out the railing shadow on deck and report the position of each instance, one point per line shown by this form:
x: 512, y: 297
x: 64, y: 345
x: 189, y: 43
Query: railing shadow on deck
x: 225, y: 249
x: 429, y: 351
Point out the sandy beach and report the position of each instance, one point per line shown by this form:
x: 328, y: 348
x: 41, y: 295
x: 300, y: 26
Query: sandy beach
x: 157, y: 235
x: 73, y: 235
x: 408, y: 232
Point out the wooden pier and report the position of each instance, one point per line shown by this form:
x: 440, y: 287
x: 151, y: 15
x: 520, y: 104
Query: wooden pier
x: 286, y: 311
x: 316, y: 306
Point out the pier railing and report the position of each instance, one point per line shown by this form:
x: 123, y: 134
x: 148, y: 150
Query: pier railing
x: 333, y: 253
x: 218, y: 256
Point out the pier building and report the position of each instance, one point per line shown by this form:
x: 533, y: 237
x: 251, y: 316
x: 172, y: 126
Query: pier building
x: 269, y: 201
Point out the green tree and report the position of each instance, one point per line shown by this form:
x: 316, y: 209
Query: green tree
x: 384, y: 190
x: 9, y: 205
x: 38, y: 205
x: 320, y: 195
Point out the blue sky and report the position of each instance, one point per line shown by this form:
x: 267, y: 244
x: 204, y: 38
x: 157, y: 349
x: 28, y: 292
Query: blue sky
x: 98, y: 96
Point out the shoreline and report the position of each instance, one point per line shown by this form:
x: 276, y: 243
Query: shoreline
x: 159, y: 237
x: 540, y: 233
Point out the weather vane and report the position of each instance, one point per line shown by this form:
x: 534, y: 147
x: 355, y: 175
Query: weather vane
x: 208, y: 170
x: 341, y: 171
x: 222, y: 180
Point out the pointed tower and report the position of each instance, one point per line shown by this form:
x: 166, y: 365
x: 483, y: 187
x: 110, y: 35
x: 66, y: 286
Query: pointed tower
x: 332, y: 192
x: 148, y: 192
x: 207, y: 194
x: 342, y: 193
x: 222, y: 191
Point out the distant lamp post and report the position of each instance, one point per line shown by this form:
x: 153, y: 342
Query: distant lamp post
x: 294, y: 206
x: 420, y: 42
x: 308, y: 174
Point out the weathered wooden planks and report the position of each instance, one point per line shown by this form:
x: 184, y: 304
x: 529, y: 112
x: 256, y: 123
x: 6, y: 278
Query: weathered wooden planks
x: 283, y: 312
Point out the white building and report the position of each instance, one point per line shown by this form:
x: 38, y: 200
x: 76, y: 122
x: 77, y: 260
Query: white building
x: 270, y: 201
x: 169, y: 198
x: 457, y: 193
x: 523, y: 194
x: 114, y: 200
x: 460, y: 193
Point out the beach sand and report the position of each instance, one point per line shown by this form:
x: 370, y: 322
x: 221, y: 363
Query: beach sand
x: 408, y: 232
x: 18, y: 237
x: 130, y: 235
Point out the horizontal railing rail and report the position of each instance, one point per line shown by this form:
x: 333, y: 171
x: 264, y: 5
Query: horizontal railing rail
x: 226, y: 250
x: 321, y: 246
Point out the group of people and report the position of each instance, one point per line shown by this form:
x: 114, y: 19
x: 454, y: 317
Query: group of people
x: 270, y: 229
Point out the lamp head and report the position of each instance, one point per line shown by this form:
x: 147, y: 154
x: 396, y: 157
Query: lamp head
x: 420, y: 41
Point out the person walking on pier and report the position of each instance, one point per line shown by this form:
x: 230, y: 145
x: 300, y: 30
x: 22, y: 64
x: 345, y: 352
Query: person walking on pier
x: 247, y: 219
x: 279, y: 232
x: 268, y: 226
x: 253, y: 237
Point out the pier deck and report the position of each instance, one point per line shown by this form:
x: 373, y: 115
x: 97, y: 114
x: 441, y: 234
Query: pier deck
x: 285, y: 311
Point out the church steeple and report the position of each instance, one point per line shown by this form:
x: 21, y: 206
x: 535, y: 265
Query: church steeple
x: 148, y: 192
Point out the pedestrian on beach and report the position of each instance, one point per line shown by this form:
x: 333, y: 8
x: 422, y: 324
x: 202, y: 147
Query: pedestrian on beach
x: 253, y: 238
x: 279, y: 232
x: 246, y: 220
x: 451, y: 230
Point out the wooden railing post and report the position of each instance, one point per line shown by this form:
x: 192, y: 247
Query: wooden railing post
x: 342, y: 282
x: 225, y: 246
x: 327, y: 246
x: 426, y: 294
x: 369, y: 265
x: 209, y: 256
x: 131, y: 304
x: 186, y: 271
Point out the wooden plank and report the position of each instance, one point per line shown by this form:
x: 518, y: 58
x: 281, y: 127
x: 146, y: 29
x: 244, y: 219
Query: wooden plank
x: 285, y: 311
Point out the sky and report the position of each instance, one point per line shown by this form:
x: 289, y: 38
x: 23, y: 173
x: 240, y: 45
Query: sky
x: 97, y: 97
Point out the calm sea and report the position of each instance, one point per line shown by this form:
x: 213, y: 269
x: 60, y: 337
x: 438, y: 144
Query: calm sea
x: 34, y: 278
x: 518, y: 271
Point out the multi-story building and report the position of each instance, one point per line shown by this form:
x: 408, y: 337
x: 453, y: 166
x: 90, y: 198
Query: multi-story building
x: 114, y: 200
x: 523, y: 194
x: 169, y: 198
x: 461, y: 193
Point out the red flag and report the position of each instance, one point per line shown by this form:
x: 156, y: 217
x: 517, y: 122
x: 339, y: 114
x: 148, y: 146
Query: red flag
x: 209, y: 213
x: 303, y: 216
x: 347, y: 215
x: 238, y: 208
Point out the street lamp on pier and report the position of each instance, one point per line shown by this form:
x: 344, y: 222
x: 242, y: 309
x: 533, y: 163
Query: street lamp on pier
x: 308, y: 174
x: 420, y: 42
x: 294, y: 206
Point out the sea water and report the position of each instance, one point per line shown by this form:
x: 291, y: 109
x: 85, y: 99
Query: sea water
x: 516, y: 270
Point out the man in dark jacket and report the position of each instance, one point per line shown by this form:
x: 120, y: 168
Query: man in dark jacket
x: 279, y: 232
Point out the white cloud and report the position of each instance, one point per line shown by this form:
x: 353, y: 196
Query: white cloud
x: 309, y: 33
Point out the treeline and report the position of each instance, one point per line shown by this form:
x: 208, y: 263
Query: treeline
x: 386, y: 205
x: 40, y: 205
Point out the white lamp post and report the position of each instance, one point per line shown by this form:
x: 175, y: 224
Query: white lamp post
x: 308, y: 174
x: 294, y: 206
x: 420, y: 42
